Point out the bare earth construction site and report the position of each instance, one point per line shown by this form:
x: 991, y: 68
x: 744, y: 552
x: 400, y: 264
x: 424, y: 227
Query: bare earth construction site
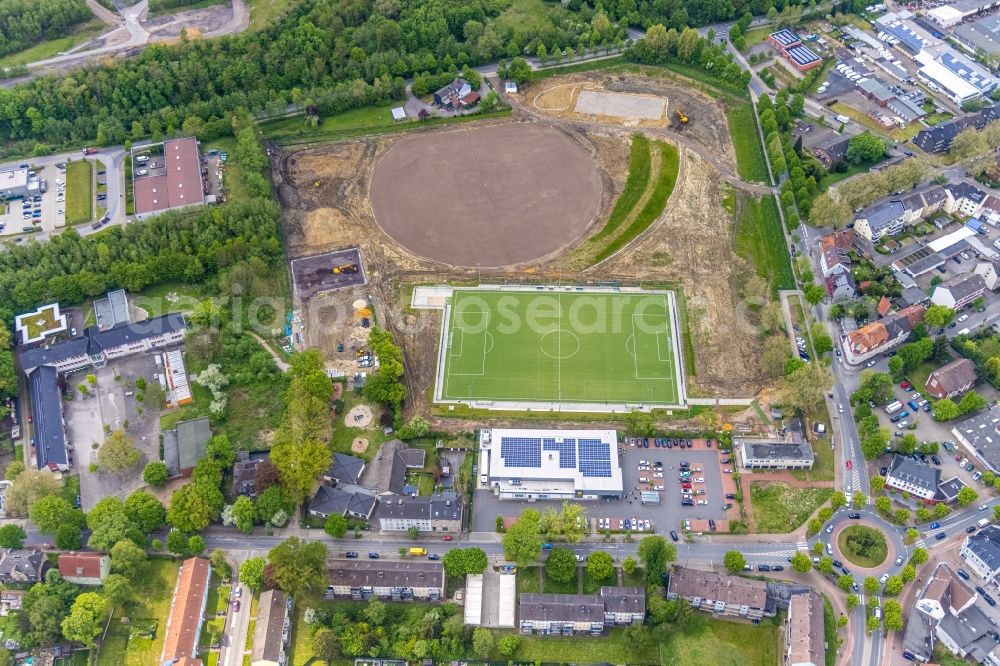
x: 518, y: 202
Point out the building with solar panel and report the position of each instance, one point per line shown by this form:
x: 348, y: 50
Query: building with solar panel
x: 550, y: 464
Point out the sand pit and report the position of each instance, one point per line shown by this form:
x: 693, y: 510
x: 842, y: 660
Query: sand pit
x: 488, y: 196
x: 359, y: 417
x: 359, y: 445
x: 621, y: 105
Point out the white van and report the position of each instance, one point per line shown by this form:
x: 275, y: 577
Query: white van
x: 893, y: 406
x: 141, y: 172
x: 142, y: 159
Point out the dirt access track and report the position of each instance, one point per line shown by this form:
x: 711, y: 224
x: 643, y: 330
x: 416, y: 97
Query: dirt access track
x: 324, y: 191
x: 486, y: 196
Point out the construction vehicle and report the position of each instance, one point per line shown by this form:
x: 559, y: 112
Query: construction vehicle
x: 345, y: 269
x: 681, y: 118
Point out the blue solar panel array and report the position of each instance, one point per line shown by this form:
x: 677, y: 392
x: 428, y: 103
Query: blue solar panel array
x: 566, y: 449
x: 595, y: 458
x: 592, y: 455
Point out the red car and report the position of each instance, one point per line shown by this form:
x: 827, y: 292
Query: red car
x: 447, y: 537
x: 904, y: 385
x: 849, y: 464
x: 686, y: 486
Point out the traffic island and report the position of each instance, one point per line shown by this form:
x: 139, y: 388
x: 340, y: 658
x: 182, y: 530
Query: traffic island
x: 863, y: 546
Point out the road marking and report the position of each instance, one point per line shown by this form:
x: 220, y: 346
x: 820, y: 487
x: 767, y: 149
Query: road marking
x: 920, y: 543
x: 802, y: 545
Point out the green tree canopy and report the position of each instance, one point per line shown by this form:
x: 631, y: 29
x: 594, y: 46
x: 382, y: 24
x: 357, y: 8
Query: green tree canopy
x: 734, y: 561
x: 561, y: 565
x: 298, y: 566
x: 865, y: 147
x: 522, y: 542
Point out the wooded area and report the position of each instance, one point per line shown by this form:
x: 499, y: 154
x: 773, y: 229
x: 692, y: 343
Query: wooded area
x: 24, y: 22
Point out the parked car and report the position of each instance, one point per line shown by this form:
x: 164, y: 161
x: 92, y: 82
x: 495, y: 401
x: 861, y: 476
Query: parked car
x: 373, y: 556
x: 673, y: 535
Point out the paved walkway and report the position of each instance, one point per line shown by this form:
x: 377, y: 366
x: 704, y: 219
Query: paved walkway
x: 280, y: 362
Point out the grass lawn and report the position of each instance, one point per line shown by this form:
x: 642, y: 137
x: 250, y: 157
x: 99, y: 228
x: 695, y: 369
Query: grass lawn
x: 724, y: 643
x: 834, y: 177
x: 639, y: 161
x: 367, y: 117
x: 822, y: 469
x: 551, y: 586
x: 749, y: 154
x: 591, y: 585
x: 183, y: 298
x: 53, y: 47
x: 756, y: 36
x: 265, y: 12
x: 150, y: 601
x: 582, y: 650
x: 871, y: 555
x: 79, y: 192
x: 830, y: 631
x: 530, y: 17
x: 625, y: 355
x: 918, y: 376
x: 779, y: 508
x: 527, y: 580
x: 41, y: 322
x: 761, y: 240
x: 344, y: 435
x: 155, y: 10
x: 634, y: 579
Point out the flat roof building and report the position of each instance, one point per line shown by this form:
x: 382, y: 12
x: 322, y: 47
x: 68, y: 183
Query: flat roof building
x: 982, y: 34
x: 112, y: 310
x: 175, y: 183
x: 551, y: 464
x: 13, y: 183
x: 185, y: 445
x: 32, y: 327
x: 979, y: 436
x: 771, y: 454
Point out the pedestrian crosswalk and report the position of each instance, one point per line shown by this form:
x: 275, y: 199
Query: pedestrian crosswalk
x: 802, y: 545
x: 920, y: 543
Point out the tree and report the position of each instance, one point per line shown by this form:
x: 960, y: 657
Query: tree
x: 968, y: 143
x: 336, y: 526
x: 908, y: 574
x: 298, y: 565
x: 196, y: 544
x: 912, y: 534
x: 324, y: 644
x: 892, y: 615
x: 519, y: 70
x: 189, y: 511
x: 30, y: 486
x: 838, y: 500
x: 858, y: 499
x: 826, y: 565
x: 118, y: 453
x: 941, y: 510
x: 375, y: 612
x: 877, y: 484
x: 813, y: 526
x: 828, y: 212
x: 872, y: 624
x: 894, y: 585
x: 522, y: 542
x: 842, y: 622
x: 155, y: 474
x: 85, y: 618
x: 128, y: 559
x: 252, y: 573
x: 864, y: 147
x: 971, y: 402
x: 919, y: 556
x: 561, y: 565
x: 734, y: 561
x: 482, y: 642
x: 814, y: 293
x: 896, y: 366
x: 460, y: 562
x: 938, y: 316
x: 16, y: 467
x: 117, y: 589
x: 509, y: 644
x: 413, y: 532
x: 243, y: 513
x: 12, y: 536
x: 629, y: 565
x: 967, y: 496
x: 801, y: 562
x: 600, y: 565
x: 901, y: 516
x: 883, y: 504
x: 177, y: 542
x: 219, y: 564
x: 805, y: 388
x: 845, y: 582
x: 145, y: 511
x: 299, y: 463
x: 69, y: 537
x: 655, y: 553
x: 871, y: 585
x: 50, y: 512
x: 852, y: 601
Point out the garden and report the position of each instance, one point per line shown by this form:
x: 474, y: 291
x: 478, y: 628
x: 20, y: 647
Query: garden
x: 140, y: 641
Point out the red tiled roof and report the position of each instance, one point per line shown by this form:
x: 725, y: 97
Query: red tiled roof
x: 868, y: 337
x: 914, y: 314
x: 80, y: 565
x: 884, y: 305
x: 181, y: 184
x: 186, y: 610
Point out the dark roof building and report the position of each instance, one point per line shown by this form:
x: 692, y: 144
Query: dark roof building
x: 631, y: 600
x: 273, y: 629
x: 437, y: 513
x: 948, y: 490
x: 570, y: 608
x: 831, y: 149
x: 387, y: 573
x: 981, y: 551
x: 952, y: 379
x: 245, y: 473
x: 979, y: 435
x: 344, y: 468
x: 342, y: 501
x: 914, y: 477
x: 805, y: 642
x: 185, y: 445
x: 387, y: 471
x: 50, y: 431
x: 938, y: 138
x: 22, y: 566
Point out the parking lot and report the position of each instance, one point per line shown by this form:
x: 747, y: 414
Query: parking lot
x: 668, y: 515
x: 110, y: 405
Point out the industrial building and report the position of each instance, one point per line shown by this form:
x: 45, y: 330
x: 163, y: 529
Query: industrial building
x: 171, y: 179
x: 770, y: 454
x: 13, y: 183
x: 550, y: 464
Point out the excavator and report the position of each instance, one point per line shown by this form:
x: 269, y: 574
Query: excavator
x: 345, y: 269
x: 681, y: 118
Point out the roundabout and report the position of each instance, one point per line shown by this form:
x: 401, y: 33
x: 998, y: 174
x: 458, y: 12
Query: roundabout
x: 868, y: 545
x: 862, y: 546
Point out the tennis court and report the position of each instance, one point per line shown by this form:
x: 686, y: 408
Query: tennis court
x: 560, y: 346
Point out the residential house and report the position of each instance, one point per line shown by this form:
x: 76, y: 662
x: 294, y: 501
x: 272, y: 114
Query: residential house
x: 990, y: 272
x: 938, y: 138
x: 398, y: 580
x: 831, y: 149
x: 952, y: 379
x: 344, y: 469
x: 569, y: 614
x: 386, y: 473
x: 964, y: 199
x: 914, y: 477
x: 912, y: 296
x: 10, y: 600
x: 991, y: 208
x: 719, y: 593
x: 959, y: 291
x: 841, y: 287
x: 84, y: 568
x: 246, y: 471
x: 907, y: 109
x: 981, y: 551
x: 187, y: 611
x: 946, y: 610
x: 922, y: 202
x: 769, y: 454
x: 22, y: 566
x: 94, y: 348
x: 881, y: 220
x: 437, y: 513
x: 456, y: 95
x: 884, y: 306
x: 805, y: 642
x: 881, y: 336
x: 273, y: 629
x: 344, y: 501
x: 834, y: 249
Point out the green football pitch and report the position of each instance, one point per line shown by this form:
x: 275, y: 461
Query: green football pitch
x: 572, y: 347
